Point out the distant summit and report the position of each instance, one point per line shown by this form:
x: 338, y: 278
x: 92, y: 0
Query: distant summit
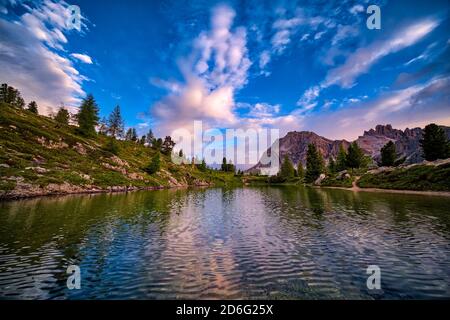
x: 407, y: 143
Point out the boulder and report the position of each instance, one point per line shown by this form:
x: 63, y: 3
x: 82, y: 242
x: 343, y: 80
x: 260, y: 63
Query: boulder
x: 320, y: 179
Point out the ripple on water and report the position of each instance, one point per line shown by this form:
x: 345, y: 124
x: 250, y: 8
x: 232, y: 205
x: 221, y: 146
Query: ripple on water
x: 226, y: 244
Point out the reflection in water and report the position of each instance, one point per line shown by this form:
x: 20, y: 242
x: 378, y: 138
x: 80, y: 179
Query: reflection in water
x: 267, y: 242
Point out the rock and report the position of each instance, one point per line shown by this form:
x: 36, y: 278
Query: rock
x: 119, y: 161
x: 78, y: 147
x: 295, y: 145
x: 4, y: 165
x: 52, y: 145
x: 114, y: 168
x: 135, y: 176
x: 37, y: 169
x: 38, y: 159
x: 342, y: 174
x: 320, y: 179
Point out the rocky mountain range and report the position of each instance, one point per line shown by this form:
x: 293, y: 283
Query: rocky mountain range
x: 407, y: 142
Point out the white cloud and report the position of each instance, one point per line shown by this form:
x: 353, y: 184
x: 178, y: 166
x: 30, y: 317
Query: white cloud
x: 217, y: 67
x: 82, y: 57
x: 356, y: 9
x: 364, y: 58
x: 32, y: 58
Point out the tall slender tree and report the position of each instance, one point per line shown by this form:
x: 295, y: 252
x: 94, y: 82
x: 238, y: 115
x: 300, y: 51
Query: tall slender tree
x: 87, y: 117
x: 300, y: 171
x: 287, y: 169
x: 115, y: 123
x: 131, y: 135
x: 314, y: 163
x: 341, y: 161
x: 149, y: 137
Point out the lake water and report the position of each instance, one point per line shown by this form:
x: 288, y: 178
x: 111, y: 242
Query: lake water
x: 262, y: 242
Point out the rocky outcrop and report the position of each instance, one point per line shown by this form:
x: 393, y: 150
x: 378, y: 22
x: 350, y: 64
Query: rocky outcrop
x: 407, y: 143
x: 295, y: 146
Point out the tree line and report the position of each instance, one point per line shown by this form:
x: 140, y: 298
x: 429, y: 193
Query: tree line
x: 88, y: 121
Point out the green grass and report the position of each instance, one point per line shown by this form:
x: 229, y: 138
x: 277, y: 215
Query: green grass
x: 333, y: 182
x: 26, y: 140
x: 420, y: 177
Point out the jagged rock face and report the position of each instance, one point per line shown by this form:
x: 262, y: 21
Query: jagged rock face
x: 407, y: 143
x: 295, y: 145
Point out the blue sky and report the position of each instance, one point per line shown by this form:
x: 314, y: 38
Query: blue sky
x: 292, y: 65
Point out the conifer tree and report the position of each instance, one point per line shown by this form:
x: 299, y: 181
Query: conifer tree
x: 434, y: 143
x: 388, y: 154
x: 32, y: 107
x: 314, y: 164
x: 115, y: 123
x: 87, y: 117
x: 287, y: 169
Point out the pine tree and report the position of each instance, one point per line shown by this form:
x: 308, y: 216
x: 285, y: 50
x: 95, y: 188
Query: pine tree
x: 341, y: 161
x: 149, y: 137
x: 355, y: 156
x: 300, y: 171
x: 62, y: 116
x: 131, y: 135
x: 32, y: 107
x: 115, y: 123
x: 287, y: 169
x: 157, y: 144
x: 87, y: 117
x: 180, y: 153
x: 224, y: 166
x: 103, y: 126
x: 112, y: 145
x: 434, y: 143
x: 202, y: 166
x: 314, y: 164
x: 331, y: 165
x: 142, y: 140
x: 388, y: 154
x: 12, y: 96
x: 155, y: 164
x: 167, y: 145
x: 19, y: 103
x: 230, y: 166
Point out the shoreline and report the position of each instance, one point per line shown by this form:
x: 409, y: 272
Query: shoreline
x: 111, y: 190
x: 5, y: 198
x: 373, y: 190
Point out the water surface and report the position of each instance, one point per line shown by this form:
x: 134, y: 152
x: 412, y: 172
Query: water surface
x: 265, y: 242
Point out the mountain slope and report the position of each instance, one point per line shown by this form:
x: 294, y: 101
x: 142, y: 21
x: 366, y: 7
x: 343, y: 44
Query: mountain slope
x: 39, y: 156
x: 295, y: 145
x: 407, y: 142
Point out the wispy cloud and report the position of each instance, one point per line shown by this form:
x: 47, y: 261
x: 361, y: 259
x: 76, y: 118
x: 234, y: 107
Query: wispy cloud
x: 32, y: 56
x: 82, y: 57
x: 215, y: 69
x: 364, y: 58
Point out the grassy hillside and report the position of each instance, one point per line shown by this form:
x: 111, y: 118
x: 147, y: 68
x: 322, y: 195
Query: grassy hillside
x: 417, y: 177
x: 39, y: 156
